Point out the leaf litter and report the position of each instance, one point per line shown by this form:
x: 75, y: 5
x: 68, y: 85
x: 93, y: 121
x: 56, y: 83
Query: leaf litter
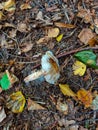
x: 55, y: 31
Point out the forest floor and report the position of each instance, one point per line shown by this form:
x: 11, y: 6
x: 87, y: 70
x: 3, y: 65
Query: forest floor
x: 30, y: 28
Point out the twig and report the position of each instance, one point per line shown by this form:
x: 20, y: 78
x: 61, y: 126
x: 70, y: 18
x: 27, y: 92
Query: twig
x: 76, y: 50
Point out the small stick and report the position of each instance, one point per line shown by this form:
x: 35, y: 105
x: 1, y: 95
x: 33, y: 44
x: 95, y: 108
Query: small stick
x: 74, y: 51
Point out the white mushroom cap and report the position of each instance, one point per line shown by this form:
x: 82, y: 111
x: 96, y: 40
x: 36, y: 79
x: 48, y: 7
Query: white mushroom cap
x: 50, y: 65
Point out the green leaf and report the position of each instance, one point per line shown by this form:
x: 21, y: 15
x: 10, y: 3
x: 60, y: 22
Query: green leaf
x: 88, y: 58
x: 5, y: 82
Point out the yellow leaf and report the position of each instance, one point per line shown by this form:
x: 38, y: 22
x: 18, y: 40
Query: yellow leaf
x: 9, y: 5
x: 64, y: 25
x: 53, y: 32
x: 25, y: 6
x: 66, y: 90
x: 16, y: 102
x: 85, y: 97
x: 2, y: 16
x: 79, y: 68
x: 59, y: 38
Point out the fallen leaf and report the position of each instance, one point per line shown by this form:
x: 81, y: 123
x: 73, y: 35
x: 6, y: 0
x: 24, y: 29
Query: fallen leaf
x: 85, y: 14
x: 25, y: 6
x: 2, y: 114
x: 66, y: 90
x: 87, y: 57
x: 43, y: 40
x: 62, y: 107
x: 95, y: 103
x: 64, y: 25
x: 12, y: 33
x: 39, y: 16
x: 16, y: 102
x: 32, y: 105
x: 52, y: 32
x: 9, y: 25
x: 22, y: 27
x: 59, y: 38
x: 27, y: 47
x: 9, y: 5
x: 85, y: 97
x: 93, y: 41
x: 79, y: 68
x: 85, y: 35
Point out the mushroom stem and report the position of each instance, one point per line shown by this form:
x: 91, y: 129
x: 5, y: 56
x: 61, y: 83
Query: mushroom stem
x: 34, y: 75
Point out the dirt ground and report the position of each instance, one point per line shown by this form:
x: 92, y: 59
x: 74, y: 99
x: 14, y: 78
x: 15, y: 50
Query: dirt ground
x: 21, y: 29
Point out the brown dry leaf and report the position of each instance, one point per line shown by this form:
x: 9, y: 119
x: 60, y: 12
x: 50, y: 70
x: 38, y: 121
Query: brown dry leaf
x: 66, y: 90
x: 52, y: 32
x: 32, y: 105
x: 9, y: 25
x: 85, y: 14
x: 25, y: 6
x: 62, y: 107
x: 93, y: 41
x: 43, y: 40
x: 85, y: 97
x: 22, y: 27
x: 85, y: 35
x: 9, y: 5
x: 27, y: 47
x: 64, y: 25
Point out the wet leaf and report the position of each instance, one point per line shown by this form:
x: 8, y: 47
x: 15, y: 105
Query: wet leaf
x: 66, y: 90
x: 32, y: 105
x: 64, y: 25
x: 87, y: 57
x: 79, y: 68
x: 16, y: 102
x: 52, y: 32
x: 9, y: 5
x: 85, y: 97
x: 85, y: 35
x: 59, y: 38
x: 25, y: 6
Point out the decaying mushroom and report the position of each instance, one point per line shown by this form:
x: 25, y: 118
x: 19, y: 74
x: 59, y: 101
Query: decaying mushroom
x: 50, y: 69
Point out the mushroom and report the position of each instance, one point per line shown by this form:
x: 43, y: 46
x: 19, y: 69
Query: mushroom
x: 50, y: 69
